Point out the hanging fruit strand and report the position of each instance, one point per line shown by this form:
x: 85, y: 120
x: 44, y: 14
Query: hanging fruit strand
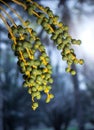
x: 33, y: 61
x: 59, y: 34
x: 36, y: 71
x: 9, y: 29
x: 14, y: 11
x: 10, y: 18
x: 19, y: 3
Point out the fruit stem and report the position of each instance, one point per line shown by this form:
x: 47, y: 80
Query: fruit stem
x: 28, y: 53
x: 21, y: 55
x: 36, y: 14
x: 9, y: 29
x: 19, y: 3
x: 10, y: 18
x: 22, y: 21
x: 40, y: 7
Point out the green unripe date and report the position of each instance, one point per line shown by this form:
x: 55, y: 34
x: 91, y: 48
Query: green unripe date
x: 73, y: 72
x: 29, y: 10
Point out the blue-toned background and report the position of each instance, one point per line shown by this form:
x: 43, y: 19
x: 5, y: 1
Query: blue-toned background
x: 73, y: 105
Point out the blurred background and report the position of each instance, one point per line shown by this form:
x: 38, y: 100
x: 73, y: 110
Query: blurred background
x: 73, y: 105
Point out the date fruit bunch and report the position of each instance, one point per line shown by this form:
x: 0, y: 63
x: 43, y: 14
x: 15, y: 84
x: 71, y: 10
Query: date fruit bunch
x: 33, y: 63
x: 58, y: 33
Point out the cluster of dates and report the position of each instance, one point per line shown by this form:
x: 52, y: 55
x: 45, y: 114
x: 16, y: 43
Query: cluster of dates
x: 58, y: 32
x: 33, y: 62
x: 32, y: 57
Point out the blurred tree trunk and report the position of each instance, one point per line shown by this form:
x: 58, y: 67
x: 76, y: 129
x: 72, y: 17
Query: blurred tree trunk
x: 57, y: 127
x: 1, y: 109
x: 78, y: 105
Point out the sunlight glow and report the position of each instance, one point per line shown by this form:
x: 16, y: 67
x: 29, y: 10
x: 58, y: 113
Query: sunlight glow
x: 86, y: 34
